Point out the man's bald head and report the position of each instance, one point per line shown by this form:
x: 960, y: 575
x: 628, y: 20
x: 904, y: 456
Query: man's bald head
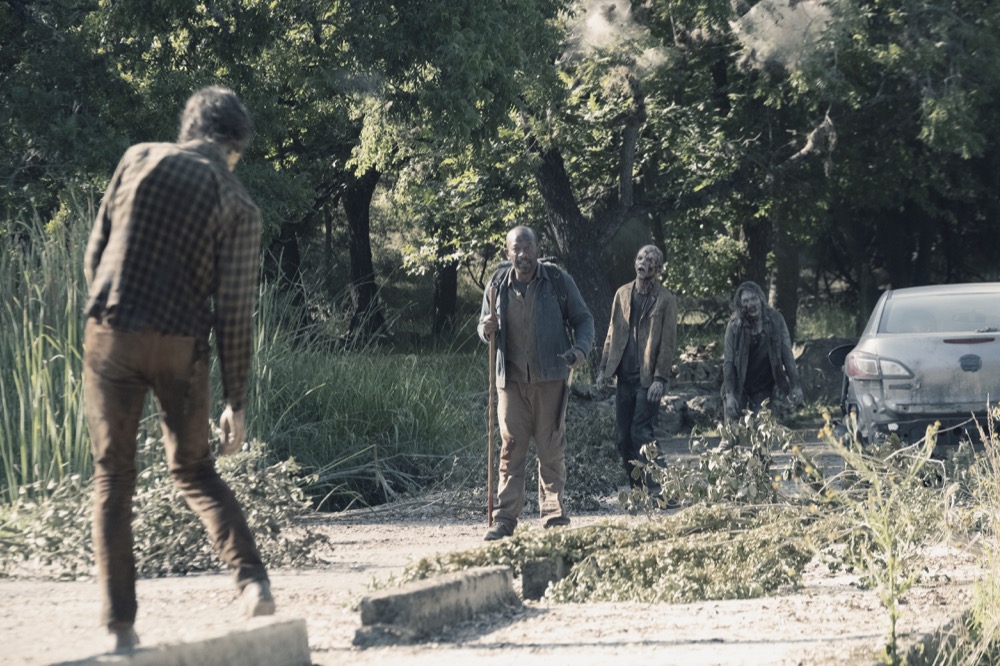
x: 521, y: 233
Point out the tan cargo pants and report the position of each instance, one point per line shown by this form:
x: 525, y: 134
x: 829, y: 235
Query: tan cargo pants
x: 529, y: 412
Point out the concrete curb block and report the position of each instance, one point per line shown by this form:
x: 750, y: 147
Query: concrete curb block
x: 539, y: 574
x: 425, y: 607
x: 274, y: 643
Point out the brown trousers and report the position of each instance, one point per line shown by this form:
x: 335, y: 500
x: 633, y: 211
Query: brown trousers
x: 531, y: 412
x: 119, y: 370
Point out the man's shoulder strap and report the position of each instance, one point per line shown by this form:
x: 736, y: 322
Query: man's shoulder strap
x: 556, y: 275
x: 500, y: 274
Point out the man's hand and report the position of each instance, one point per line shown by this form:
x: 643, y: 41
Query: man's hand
x: 795, y: 396
x: 234, y: 428
x: 574, y: 358
x: 655, y: 391
x: 490, y: 325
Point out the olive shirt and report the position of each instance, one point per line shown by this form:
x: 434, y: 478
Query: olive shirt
x: 175, y: 248
x: 656, y: 334
x: 551, y: 321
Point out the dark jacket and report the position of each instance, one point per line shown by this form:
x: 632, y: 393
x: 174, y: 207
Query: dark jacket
x: 552, y: 328
x: 779, y: 352
x: 657, y: 334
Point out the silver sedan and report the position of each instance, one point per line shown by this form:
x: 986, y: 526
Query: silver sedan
x: 928, y: 354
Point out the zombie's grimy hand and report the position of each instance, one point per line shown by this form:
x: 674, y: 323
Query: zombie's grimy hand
x: 655, y: 391
x: 795, y: 396
x: 732, y: 407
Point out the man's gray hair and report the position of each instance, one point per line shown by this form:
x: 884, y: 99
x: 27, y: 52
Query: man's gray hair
x: 217, y: 114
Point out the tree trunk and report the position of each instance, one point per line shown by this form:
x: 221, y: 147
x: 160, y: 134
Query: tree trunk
x: 786, y: 280
x: 367, y: 318
x: 445, y: 296
x: 579, y: 240
x: 757, y: 234
x: 859, y: 242
x: 329, y: 284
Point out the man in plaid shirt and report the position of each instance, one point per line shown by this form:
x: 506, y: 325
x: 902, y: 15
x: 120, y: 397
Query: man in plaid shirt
x: 174, y: 253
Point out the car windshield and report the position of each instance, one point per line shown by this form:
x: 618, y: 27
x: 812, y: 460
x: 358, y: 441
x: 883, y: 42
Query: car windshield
x: 942, y: 313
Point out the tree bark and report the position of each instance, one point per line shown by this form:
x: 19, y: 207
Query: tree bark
x: 786, y: 279
x: 579, y: 240
x: 367, y: 317
x: 757, y: 234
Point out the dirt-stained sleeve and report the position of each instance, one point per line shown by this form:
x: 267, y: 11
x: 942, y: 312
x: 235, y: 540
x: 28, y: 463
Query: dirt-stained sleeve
x: 729, y: 360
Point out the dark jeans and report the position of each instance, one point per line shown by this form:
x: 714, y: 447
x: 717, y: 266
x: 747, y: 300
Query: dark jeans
x: 635, y: 419
x: 119, y: 369
x: 752, y: 401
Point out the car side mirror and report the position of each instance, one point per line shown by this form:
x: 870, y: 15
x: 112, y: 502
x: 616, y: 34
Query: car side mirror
x: 838, y: 355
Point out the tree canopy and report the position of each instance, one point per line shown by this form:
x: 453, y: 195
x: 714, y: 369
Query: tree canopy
x: 822, y: 148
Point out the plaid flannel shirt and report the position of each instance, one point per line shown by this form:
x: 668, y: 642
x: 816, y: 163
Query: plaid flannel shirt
x: 177, y: 234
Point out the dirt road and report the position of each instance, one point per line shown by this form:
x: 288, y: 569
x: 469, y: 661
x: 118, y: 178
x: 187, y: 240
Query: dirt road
x: 830, y: 620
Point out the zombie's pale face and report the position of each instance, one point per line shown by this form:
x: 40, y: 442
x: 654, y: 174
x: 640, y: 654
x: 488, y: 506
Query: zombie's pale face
x: 647, y: 264
x: 522, y: 251
x: 750, y: 306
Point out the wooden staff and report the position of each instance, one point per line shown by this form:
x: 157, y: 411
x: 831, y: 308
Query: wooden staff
x: 493, y: 388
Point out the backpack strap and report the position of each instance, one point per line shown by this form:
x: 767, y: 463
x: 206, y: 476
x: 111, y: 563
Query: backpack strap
x: 560, y: 284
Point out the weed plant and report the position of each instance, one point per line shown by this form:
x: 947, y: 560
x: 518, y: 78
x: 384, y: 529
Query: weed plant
x: 737, y: 471
x: 370, y: 424
x: 826, y: 320
x: 706, y: 552
x: 885, y: 507
x: 975, y: 639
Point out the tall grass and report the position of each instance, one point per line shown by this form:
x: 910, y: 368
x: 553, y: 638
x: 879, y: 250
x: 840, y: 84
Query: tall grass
x: 42, y: 425
x: 368, y: 422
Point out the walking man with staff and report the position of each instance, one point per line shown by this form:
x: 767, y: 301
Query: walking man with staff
x: 541, y: 328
